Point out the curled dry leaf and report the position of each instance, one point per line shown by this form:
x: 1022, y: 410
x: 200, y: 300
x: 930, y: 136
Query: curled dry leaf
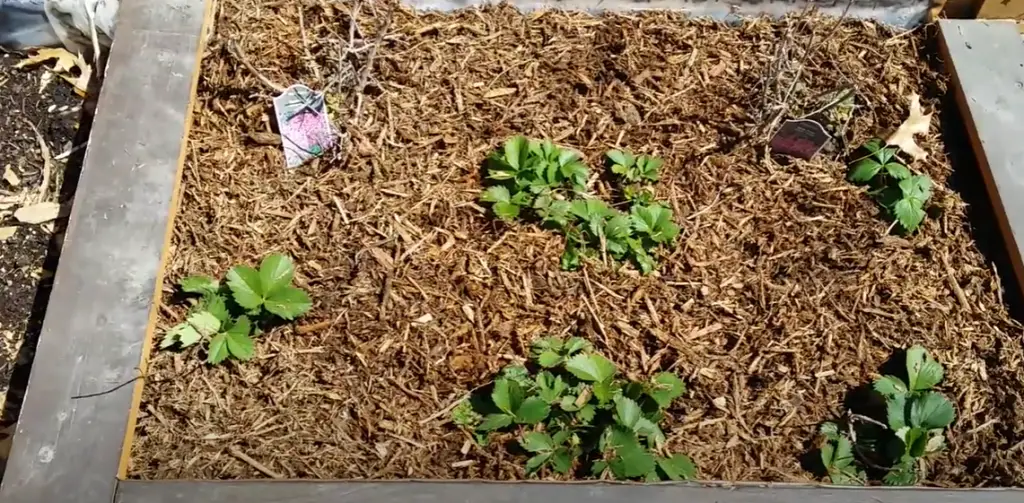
x: 917, y: 123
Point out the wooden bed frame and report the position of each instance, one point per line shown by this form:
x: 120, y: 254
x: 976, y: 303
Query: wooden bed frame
x: 75, y: 430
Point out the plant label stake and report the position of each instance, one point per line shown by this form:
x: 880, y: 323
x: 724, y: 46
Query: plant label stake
x: 306, y: 130
x: 801, y: 138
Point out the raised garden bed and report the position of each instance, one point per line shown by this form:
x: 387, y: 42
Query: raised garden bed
x: 785, y: 292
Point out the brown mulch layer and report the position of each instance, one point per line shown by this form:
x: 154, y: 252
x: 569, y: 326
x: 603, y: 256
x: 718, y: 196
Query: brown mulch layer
x: 785, y: 292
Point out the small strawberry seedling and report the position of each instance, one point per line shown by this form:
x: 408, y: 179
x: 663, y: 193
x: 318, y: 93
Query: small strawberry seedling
x: 634, y: 169
x: 573, y: 414
x: 896, y: 188
x: 227, y: 315
x: 894, y: 448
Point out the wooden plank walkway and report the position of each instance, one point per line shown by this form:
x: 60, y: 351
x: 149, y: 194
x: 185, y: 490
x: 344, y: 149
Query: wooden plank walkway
x: 69, y: 441
x: 986, y: 62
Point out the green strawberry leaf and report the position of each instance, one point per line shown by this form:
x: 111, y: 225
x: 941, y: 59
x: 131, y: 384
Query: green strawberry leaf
x: 896, y: 412
x: 507, y: 395
x: 506, y: 210
x: 216, y: 305
x: 930, y: 411
x: 199, y: 284
x: 924, y: 372
x: 183, y: 334
x: 205, y: 323
x: 494, y: 421
x: 276, y: 272
x: 245, y: 286
x: 239, y: 343
x: 631, y: 459
x: 561, y: 460
x: 864, y: 170
x: 536, y: 462
x: 890, y: 386
x: 532, y: 411
x: 217, y: 351
x: 678, y: 467
x: 515, y: 151
x: 917, y: 187
x: 898, y: 171
x: 621, y: 158
x: 627, y: 412
x: 549, y: 359
x: 665, y: 387
x: 909, y: 213
x: 288, y: 302
x: 590, y: 368
x: 536, y: 441
x: 496, y: 194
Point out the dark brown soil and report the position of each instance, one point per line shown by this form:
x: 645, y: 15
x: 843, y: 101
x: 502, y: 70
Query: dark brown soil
x: 25, y: 271
x: 785, y: 292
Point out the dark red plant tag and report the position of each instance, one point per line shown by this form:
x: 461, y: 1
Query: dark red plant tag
x: 801, y: 138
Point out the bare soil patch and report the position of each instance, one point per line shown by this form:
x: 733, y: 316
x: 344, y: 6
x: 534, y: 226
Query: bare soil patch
x: 785, y: 291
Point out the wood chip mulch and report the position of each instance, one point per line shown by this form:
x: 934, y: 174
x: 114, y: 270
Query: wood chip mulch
x: 786, y: 291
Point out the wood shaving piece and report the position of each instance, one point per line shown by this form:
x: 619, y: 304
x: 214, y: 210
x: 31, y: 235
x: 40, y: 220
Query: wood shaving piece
x: 10, y: 177
x: 917, y: 123
x: 7, y: 233
x: 37, y: 213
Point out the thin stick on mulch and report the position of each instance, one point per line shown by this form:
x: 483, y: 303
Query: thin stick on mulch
x: 778, y: 300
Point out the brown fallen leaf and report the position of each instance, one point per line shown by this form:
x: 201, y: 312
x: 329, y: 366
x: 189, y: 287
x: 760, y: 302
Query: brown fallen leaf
x: 917, y: 123
x: 37, y: 213
x: 63, y: 60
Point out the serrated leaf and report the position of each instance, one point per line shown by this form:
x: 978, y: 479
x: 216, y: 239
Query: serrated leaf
x: 532, y: 411
x: 924, y: 372
x: 590, y: 368
x: 598, y: 468
x: 494, y: 421
x: 604, y: 390
x: 575, y: 345
x: 917, y: 187
x: 647, y: 428
x: 666, y: 387
x: 182, y: 333
x: 896, y: 412
x: 287, y: 302
x: 931, y: 411
x: 507, y: 395
x: 909, y: 213
x: 916, y: 439
x: 678, y: 467
x: 884, y: 154
x: 536, y: 441
x: 239, y: 343
x: 561, y: 460
x: 627, y: 412
x: 536, y: 462
x: 276, y: 272
x: 217, y: 351
x: 631, y: 459
x: 205, y: 323
x: 586, y: 413
x: 902, y: 475
x: 566, y: 156
x: 864, y: 170
x: 621, y: 158
x: 199, y: 284
x: 842, y: 456
x: 897, y: 171
x: 829, y: 430
x: 549, y: 359
x: 890, y: 386
x: 495, y: 194
x: 506, y: 210
x: 515, y: 150
x: 216, y: 305
x: 617, y: 227
x: 244, y: 283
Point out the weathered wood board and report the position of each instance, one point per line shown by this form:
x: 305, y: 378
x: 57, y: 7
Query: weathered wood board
x: 78, y: 413
x: 986, y: 62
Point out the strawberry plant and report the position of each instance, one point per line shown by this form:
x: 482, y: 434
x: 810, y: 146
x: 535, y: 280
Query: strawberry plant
x: 895, y: 187
x: 540, y: 181
x: 573, y: 414
x: 634, y: 169
x: 227, y: 315
x: 894, y: 447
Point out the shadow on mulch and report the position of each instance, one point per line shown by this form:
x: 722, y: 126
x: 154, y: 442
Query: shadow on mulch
x: 18, y: 383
